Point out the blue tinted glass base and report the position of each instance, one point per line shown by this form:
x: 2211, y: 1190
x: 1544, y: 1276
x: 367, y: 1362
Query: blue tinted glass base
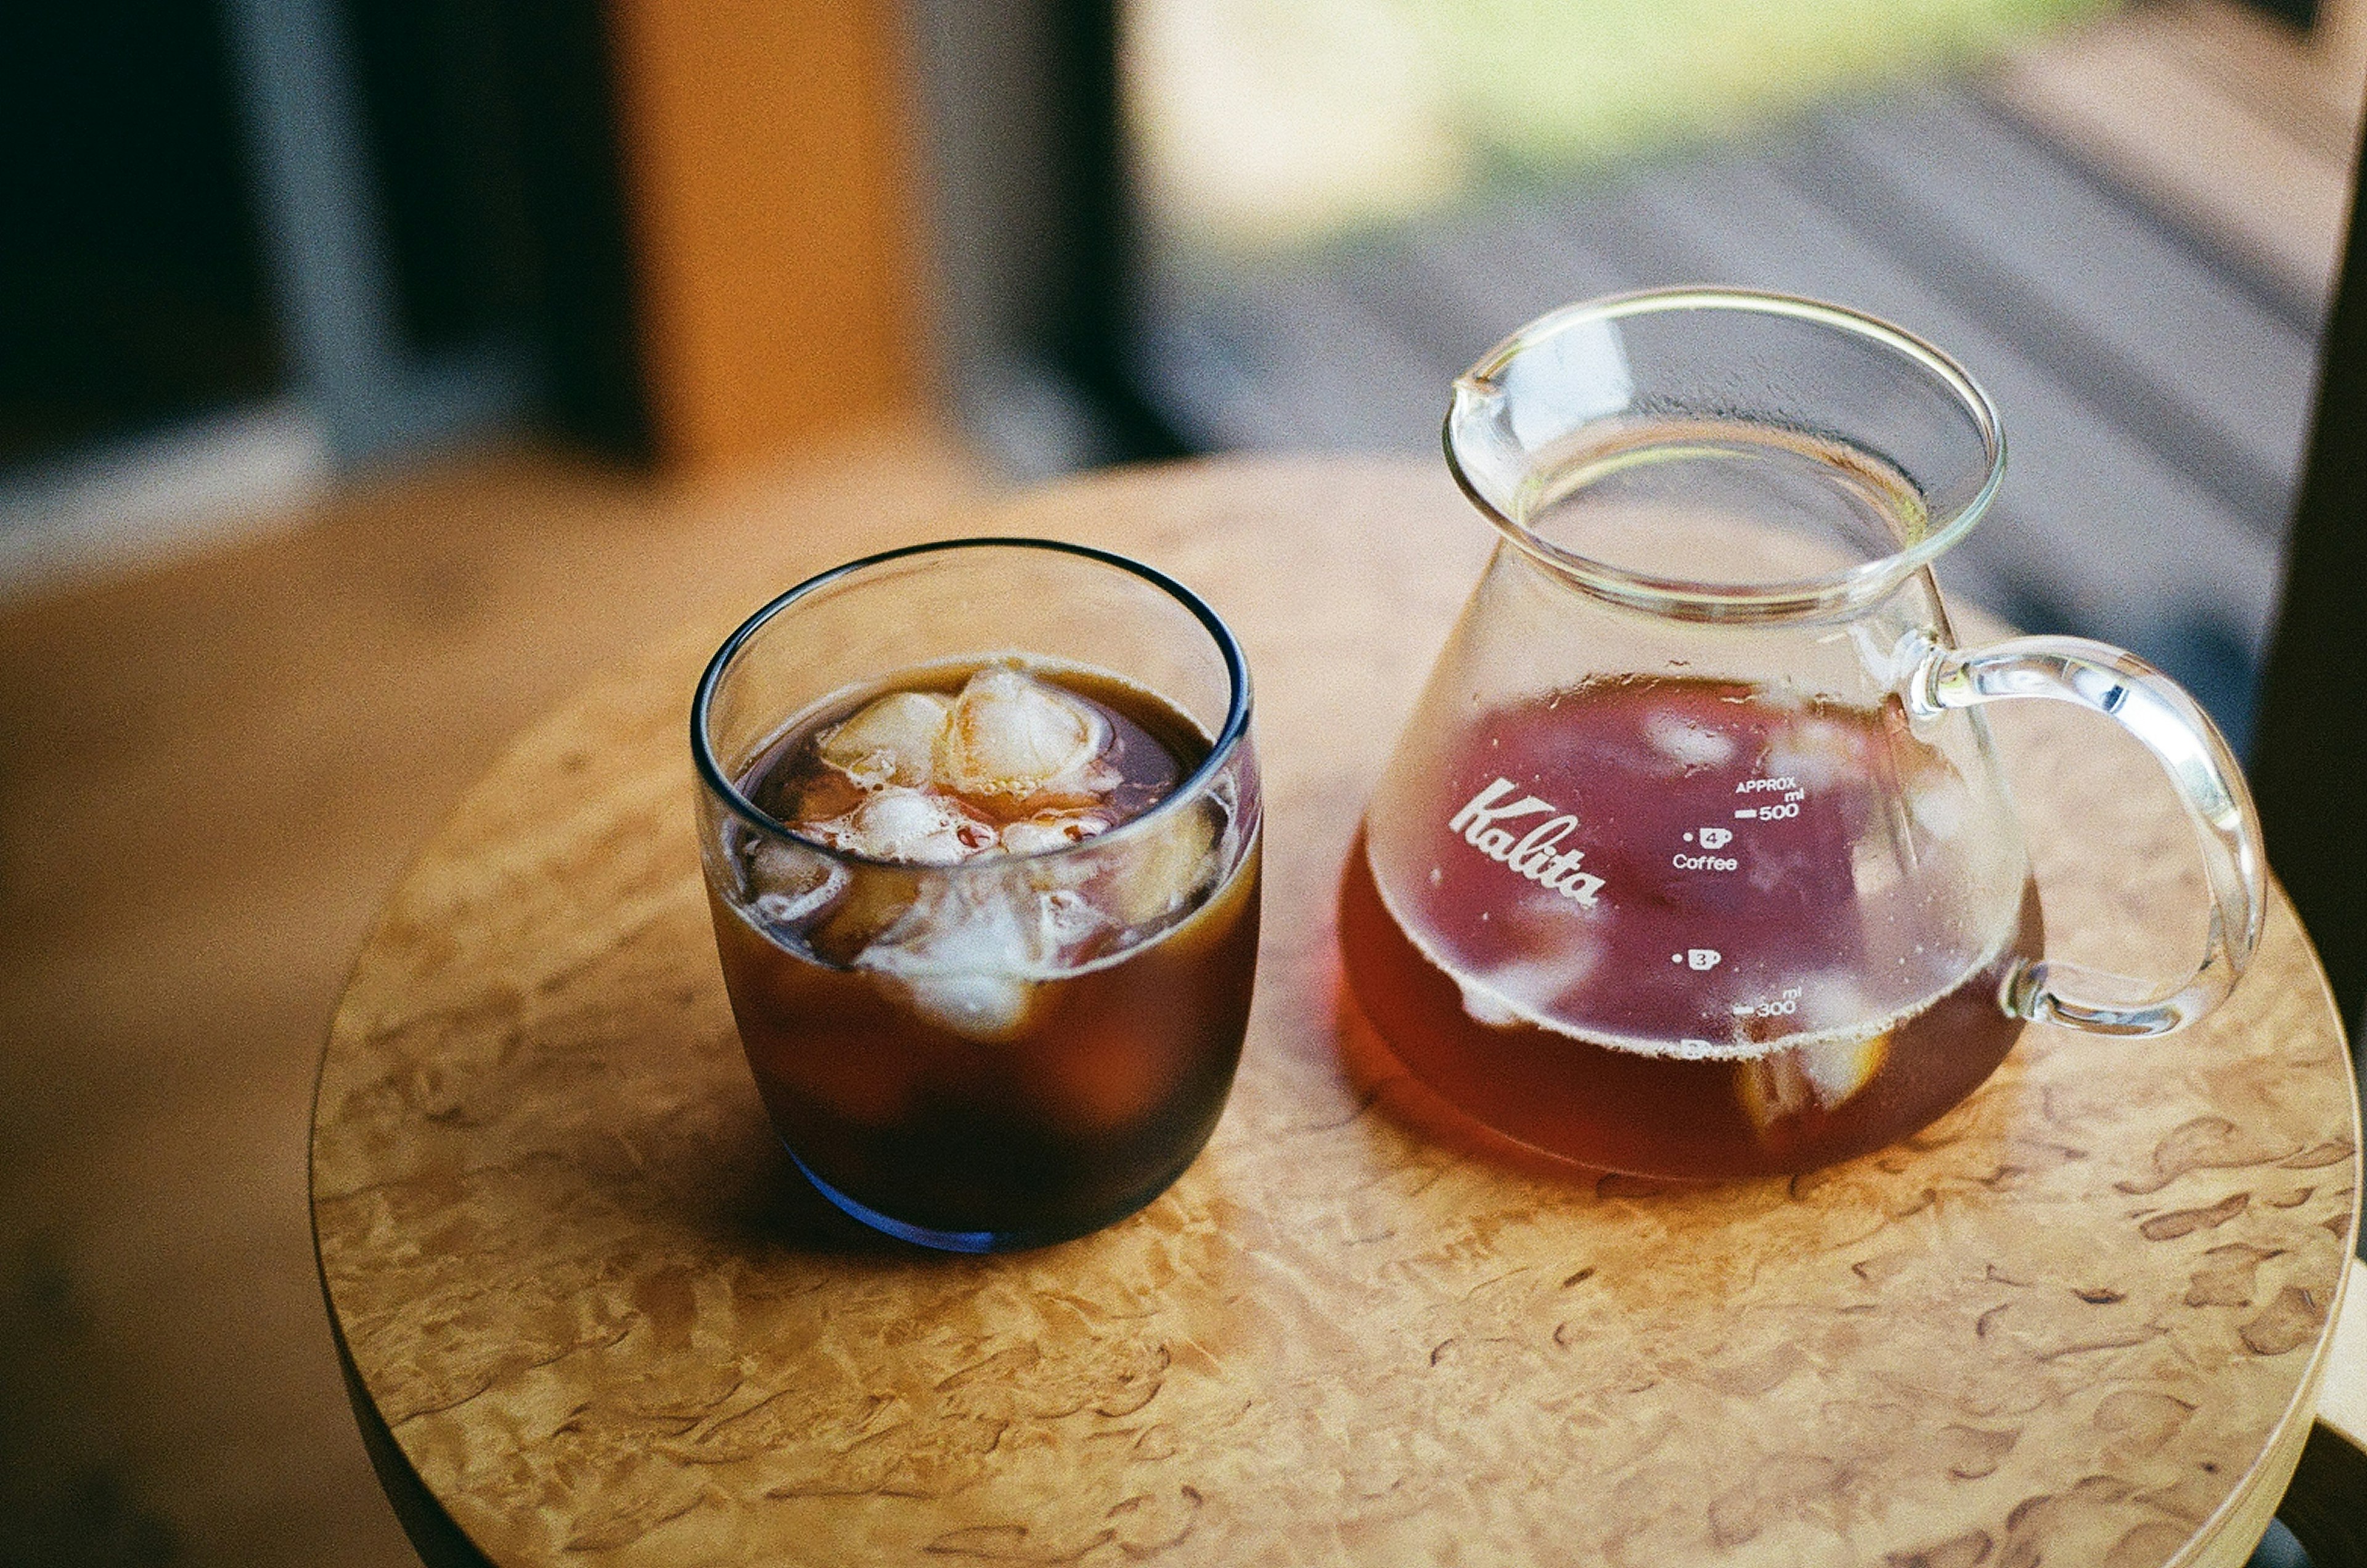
x: 987, y: 1241
x: 920, y: 1236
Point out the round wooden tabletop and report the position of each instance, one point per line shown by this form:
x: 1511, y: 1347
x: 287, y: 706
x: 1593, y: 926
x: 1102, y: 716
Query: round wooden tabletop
x: 2082, y: 1317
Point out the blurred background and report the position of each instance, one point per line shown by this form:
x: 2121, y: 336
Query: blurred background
x: 374, y: 371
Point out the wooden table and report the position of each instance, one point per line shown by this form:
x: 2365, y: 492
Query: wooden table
x: 589, y: 1305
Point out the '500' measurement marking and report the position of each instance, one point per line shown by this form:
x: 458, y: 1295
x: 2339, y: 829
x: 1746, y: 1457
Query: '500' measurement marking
x: 1536, y: 854
x: 1784, y: 785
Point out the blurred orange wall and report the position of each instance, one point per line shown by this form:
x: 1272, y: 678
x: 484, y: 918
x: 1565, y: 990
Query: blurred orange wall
x: 772, y: 218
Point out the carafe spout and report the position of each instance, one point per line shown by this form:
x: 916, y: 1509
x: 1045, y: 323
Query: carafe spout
x: 1483, y: 451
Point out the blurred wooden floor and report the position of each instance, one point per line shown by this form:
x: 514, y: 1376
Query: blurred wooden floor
x: 2127, y: 235
x: 210, y: 775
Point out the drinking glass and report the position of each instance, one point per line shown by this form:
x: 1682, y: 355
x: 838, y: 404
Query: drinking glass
x: 1018, y: 1048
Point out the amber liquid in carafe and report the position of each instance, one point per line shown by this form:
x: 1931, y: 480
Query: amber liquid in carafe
x: 1686, y: 927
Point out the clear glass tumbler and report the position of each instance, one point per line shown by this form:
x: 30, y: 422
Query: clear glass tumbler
x: 1016, y: 1048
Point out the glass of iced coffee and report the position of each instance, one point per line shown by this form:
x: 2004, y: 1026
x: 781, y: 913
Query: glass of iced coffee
x: 981, y: 825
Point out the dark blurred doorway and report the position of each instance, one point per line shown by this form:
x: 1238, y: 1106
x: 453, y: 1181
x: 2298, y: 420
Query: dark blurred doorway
x: 246, y: 243
x: 132, y: 278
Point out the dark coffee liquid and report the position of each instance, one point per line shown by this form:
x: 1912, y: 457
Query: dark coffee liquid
x: 1676, y: 927
x: 1007, y: 1081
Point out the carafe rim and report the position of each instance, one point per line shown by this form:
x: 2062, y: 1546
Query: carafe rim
x: 1479, y: 392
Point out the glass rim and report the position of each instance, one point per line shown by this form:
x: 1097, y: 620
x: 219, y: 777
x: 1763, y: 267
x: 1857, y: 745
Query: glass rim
x: 1194, y: 783
x: 1685, y: 598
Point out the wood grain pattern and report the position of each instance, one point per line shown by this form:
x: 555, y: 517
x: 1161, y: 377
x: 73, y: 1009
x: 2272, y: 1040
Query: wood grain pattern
x: 2080, y: 1318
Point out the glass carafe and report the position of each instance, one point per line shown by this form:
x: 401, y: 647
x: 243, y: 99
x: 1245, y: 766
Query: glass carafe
x: 1694, y: 858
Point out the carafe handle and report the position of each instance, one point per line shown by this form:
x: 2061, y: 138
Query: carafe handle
x: 2204, y: 773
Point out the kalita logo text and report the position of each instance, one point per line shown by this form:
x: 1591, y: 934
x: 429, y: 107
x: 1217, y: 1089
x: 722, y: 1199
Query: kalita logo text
x: 1532, y: 849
